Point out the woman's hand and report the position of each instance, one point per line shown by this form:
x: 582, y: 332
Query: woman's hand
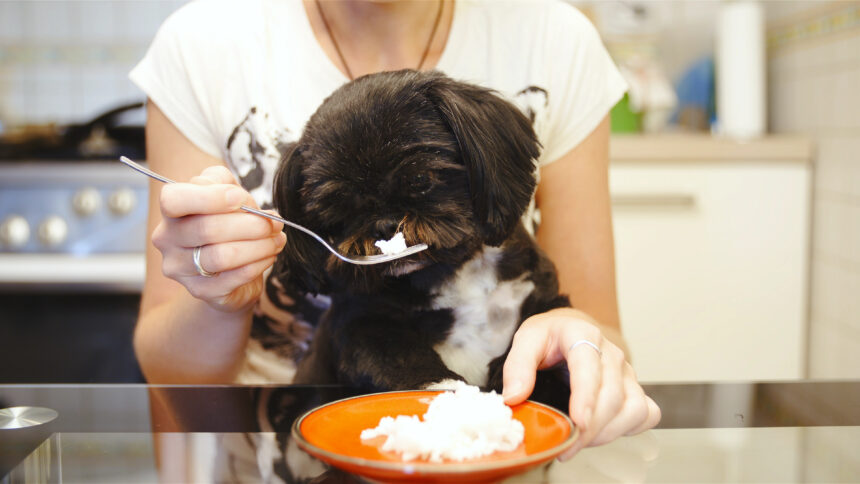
x: 606, y: 401
x: 235, y: 245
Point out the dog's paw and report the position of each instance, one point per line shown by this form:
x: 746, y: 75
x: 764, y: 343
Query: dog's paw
x: 447, y: 384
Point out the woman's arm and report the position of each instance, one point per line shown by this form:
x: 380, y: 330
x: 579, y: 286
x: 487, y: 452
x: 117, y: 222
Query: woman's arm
x: 193, y: 329
x: 576, y: 231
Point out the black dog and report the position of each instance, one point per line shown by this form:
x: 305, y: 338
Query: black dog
x: 448, y: 164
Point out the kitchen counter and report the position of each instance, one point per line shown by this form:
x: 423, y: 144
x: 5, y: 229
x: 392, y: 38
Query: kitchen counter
x: 804, y: 431
x: 704, y: 147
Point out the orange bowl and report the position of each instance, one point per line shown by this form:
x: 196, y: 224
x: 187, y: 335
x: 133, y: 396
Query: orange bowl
x: 332, y: 433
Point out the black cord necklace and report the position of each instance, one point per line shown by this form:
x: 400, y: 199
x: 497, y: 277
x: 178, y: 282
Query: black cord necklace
x: 343, y: 60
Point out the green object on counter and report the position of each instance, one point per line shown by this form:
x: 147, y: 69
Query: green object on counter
x: 623, y: 119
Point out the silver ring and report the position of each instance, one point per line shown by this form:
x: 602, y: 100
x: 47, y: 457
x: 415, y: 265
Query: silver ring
x: 587, y: 343
x: 195, y: 256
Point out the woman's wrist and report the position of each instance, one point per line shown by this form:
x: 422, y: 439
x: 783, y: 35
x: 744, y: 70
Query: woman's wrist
x: 608, y: 332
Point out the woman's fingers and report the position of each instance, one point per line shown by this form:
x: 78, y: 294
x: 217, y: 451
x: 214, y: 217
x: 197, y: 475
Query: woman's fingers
x: 181, y: 199
x: 522, y: 363
x: 654, y: 416
x: 223, y: 257
x: 583, y: 362
x: 604, y: 393
x: 195, y: 230
x: 217, y: 174
x: 232, y: 255
x: 629, y: 416
x: 235, y: 245
x: 221, y: 290
x: 606, y: 400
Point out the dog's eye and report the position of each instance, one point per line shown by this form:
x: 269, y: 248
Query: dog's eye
x: 420, y: 184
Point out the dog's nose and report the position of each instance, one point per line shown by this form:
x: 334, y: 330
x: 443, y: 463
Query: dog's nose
x: 385, y: 228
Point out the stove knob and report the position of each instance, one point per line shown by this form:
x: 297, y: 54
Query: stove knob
x: 86, y: 201
x: 53, y: 231
x: 122, y: 201
x: 14, y: 231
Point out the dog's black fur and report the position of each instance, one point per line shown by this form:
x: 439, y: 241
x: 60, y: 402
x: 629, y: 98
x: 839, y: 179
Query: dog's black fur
x: 446, y: 163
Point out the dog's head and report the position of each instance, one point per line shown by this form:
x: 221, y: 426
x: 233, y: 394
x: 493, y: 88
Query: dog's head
x: 446, y: 163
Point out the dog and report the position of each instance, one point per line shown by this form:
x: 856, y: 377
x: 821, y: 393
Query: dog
x: 446, y: 163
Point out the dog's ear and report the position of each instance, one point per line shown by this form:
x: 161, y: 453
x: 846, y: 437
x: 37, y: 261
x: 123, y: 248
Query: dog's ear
x: 498, y: 147
x: 301, y: 261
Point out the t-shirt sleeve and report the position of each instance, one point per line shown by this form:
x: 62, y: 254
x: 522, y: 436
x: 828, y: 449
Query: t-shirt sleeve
x: 172, y: 75
x: 585, y: 83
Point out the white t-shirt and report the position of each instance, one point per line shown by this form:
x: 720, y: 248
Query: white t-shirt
x: 240, y: 79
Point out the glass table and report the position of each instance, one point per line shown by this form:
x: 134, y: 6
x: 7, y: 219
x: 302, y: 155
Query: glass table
x: 806, y: 431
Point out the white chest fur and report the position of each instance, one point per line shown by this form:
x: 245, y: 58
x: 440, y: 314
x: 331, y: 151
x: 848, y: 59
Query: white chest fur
x: 486, y: 313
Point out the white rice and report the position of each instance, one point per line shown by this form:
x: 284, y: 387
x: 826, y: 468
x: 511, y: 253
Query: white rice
x: 459, y: 425
x: 395, y: 245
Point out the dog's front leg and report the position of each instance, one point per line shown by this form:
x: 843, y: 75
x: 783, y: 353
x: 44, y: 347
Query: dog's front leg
x: 381, y: 354
x: 552, y: 385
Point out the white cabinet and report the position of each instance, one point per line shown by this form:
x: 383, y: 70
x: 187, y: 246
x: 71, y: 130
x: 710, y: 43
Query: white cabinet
x: 711, y: 256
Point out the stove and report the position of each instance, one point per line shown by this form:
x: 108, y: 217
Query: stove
x: 72, y: 217
x: 72, y: 223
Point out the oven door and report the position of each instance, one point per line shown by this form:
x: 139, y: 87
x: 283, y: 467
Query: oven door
x: 68, y: 337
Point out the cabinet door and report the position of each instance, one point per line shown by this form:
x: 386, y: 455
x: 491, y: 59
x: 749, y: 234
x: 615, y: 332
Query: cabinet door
x: 712, y: 268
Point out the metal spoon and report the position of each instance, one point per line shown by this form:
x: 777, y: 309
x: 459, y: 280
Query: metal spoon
x: 356, y: 259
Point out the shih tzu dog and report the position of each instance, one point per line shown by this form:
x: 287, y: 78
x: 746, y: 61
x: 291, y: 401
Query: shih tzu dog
x: 442, y: 162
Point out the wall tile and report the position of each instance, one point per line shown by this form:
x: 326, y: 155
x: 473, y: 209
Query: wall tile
x: 829, y: 285
x: 851, y: 245
x: 808, y: 59
x: 98, y: 90
x: 780, y: 65
x: 96, y: 21
x: 807, y: 111
x: 51, y: 106
x: 833, y: 351
x: 779, y: 107
x: 814, y: 90
x: 9, y: 108
x: 50, y: 21
x: 835, y: 227
x: 103, y: 37
x: 852, y: 175
x: 830, y: 102
x: 779, y: 10
x: 853, y: 289
x: 139, y: 20
x: 784, y: 116
x: 847, y: 115
x: 11, y: 21
x: 845, y: 49
x: 837, y: 167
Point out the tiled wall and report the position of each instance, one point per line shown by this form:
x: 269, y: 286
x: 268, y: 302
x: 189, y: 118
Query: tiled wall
x: 814, y: 69
x: 68, y: 60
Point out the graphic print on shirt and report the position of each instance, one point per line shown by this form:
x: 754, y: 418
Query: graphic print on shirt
x: 254, y: 149
x: 533, y: 101
x: 283, y: 320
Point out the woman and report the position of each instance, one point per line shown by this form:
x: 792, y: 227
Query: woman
x: 229, y: 83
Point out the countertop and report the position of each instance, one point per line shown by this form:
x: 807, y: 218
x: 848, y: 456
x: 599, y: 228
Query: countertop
x: 804, y: 431
x: 686, y: 147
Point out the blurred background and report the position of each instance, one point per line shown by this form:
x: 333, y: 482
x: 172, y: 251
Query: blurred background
x: 735, y: 182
